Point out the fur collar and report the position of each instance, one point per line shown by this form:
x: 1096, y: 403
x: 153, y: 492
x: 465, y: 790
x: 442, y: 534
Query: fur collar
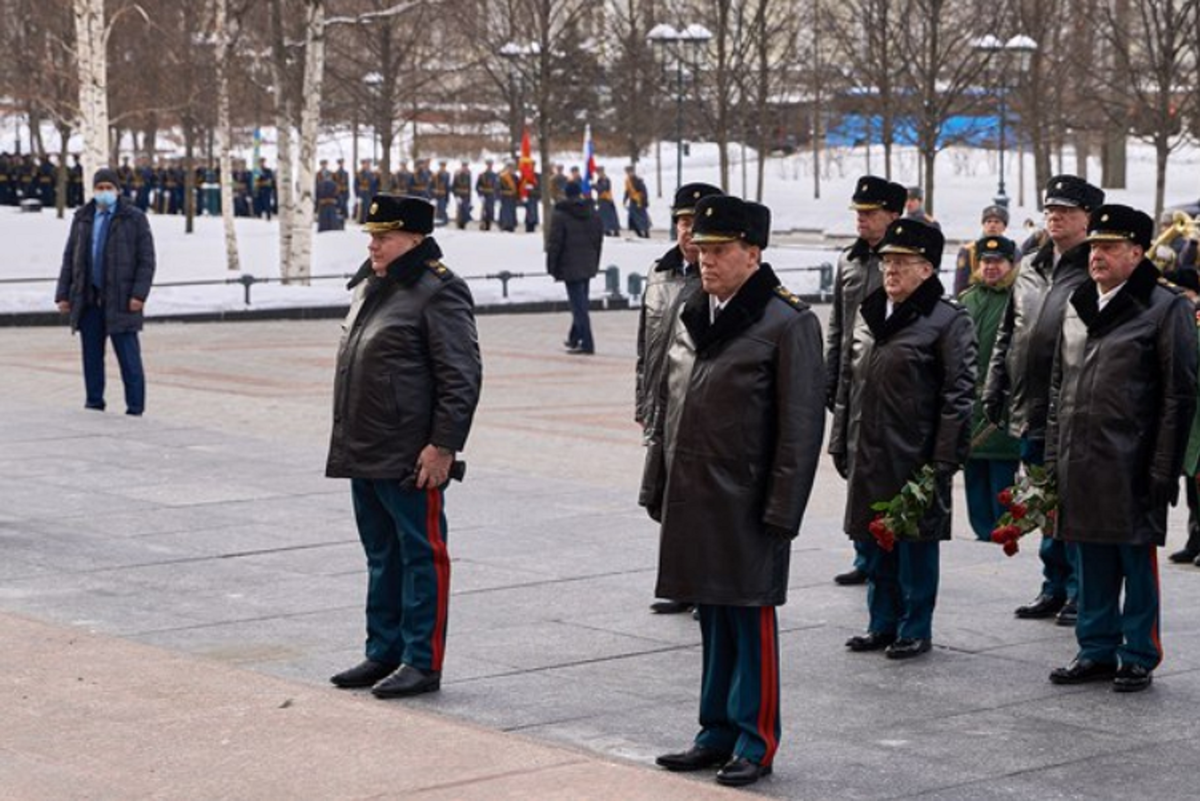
x: 406, y: 269
x: 672, y: 261
x: 860, y: 250
x: 919, y: 304
x: 1076, y: 257
x: 1131, y: 300
x: 744, y: 310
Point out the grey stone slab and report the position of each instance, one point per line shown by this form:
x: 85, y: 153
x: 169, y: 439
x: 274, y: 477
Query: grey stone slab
x: 315, y: 549
x: 549, y: 643
x: 1133, y: 772
x: 196, y: 492
x: 29, y: 499
x: 523, y: 700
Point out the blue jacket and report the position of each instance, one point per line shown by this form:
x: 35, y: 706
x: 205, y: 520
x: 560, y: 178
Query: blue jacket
x: 128, y: 265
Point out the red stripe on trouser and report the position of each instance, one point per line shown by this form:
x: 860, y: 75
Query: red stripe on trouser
x: 769, y: 683
x: 1154, y: 634
x: 441, y: 567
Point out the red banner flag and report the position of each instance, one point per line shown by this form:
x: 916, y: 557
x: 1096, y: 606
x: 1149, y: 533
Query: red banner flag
x: 528, y: 176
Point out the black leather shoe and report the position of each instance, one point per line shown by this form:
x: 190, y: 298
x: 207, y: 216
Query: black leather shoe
x: 364, y: 674
x: 850, y: 578
x: 1132, y: 679
x: 907, y: 648
x: 1184, y: 556
x: 695, y: 758
x: 1081, y: 671
x: 407, y: 681
x: 669, y: 607
x: 871, y: 641
x: 1043, y: 606
x: 739, y: 772
x: 1067, y: 615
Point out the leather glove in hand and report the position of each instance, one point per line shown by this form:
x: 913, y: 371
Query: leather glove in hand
x: 1163, y: 492
x: 780, y: 533
x: 841, y: 464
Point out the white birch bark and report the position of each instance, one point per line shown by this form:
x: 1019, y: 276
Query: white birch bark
x: 224, y: 134
x: 90, y: 37
x: 310, y: 121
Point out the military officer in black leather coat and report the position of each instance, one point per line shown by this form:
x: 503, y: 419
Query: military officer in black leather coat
x: 407, y: 383
x: 729, y: 470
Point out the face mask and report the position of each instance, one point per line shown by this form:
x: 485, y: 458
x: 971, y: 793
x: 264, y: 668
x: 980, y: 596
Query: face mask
x: 106, y: 198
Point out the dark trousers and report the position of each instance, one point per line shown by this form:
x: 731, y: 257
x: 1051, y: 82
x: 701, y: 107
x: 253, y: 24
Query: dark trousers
x: 403, y: 533
x: 739, y: 689
x: 639, y: 221
x: 487, y: 211
x: 902, y: 587
x: 581, y: 324
x: 1108, y: 631
x: 860, y: 556
x: 1059, y: 559
x: 93, y: 335
x: 985, y: 478
x: 1193, y: 505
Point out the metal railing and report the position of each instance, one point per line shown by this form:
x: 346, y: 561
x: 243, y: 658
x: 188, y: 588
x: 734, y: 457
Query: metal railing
x: 612, y: 280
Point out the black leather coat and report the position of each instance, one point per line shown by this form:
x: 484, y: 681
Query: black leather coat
x: 907, y: 404
x: 408, y: 368
x: 1023, y: 356
x: 1121, y: 403
x: 732, y: 481
x: 129, y: 265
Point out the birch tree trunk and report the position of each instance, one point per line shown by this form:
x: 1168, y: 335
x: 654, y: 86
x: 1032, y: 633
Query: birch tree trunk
x: 310, y: 121
x: 90, y: 40
x: 223, y: 134
x: 283, y: 138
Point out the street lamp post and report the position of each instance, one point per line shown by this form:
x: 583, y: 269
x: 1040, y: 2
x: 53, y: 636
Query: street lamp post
x: 373, y: 80
x: 1012, y: 56
x: 675, y: 44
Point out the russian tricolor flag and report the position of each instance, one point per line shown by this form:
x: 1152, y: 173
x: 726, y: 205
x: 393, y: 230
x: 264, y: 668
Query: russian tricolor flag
x: 589, y: 161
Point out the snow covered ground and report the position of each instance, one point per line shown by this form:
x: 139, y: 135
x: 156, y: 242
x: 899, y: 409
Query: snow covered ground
x: 32, y: 243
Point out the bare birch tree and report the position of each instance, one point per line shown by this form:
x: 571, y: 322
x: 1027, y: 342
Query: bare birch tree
x: 299, y: 265
x: 91, y: 39
x: 223, y: 36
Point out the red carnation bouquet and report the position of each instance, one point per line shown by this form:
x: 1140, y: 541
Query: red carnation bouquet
x: 901, y: 516
x: 1031, y: 503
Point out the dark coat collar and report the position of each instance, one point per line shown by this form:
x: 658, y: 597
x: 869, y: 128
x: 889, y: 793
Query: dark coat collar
x: 860, y: 250
x: 1075, y: 257
x: 1128, y: 302
x: 671, y: 260
x: 744, y: 310
x: 404, y: 270
x: 919, y: 304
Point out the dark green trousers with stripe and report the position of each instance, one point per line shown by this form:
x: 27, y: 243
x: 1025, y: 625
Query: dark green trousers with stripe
x: 403, y: 533
x: 739, y: 692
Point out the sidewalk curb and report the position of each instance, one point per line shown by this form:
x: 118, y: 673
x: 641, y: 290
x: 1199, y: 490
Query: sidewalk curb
x: 47, y: 318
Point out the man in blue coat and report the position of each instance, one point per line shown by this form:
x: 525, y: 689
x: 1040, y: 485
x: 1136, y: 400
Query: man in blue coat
x: 107, y: 270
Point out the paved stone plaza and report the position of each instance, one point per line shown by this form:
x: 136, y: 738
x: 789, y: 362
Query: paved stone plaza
x: 176, y: 589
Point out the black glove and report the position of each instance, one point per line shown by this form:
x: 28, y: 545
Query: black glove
x: 1163, y: 492
x: 780, y: 533
x: 993, y: 411
x: 655, y: 512
x: 841, y: 464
